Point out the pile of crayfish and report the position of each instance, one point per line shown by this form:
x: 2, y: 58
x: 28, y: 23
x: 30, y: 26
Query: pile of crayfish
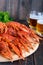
x: 15, y: 37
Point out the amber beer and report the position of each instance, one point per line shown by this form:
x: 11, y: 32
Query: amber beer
x: 33, y: 20
x: 40, y: 26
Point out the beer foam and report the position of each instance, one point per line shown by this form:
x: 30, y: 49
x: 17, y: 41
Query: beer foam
x: 40, y: 17
x: 33, y: 16
x: 40, y: 21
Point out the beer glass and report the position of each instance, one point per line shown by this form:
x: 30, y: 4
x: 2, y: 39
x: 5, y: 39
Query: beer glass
x: 32, y: 19
x: 40, y: 26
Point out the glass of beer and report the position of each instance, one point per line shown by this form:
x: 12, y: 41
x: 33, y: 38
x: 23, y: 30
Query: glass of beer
x: 32, y: 20
x: 40, y: 26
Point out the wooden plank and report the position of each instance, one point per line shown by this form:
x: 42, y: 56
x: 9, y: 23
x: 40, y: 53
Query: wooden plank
x: 37, y: 5
x: 38, y: 56
x: 9, y: 63
x: 2, y: 4
x: 27, y: 61
x: 30, y: 60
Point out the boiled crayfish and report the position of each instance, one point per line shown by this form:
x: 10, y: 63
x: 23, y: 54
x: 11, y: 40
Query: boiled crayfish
x: 15, y: 37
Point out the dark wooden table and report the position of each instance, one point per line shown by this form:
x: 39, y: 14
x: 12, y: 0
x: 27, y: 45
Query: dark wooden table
x: 34, y: 59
